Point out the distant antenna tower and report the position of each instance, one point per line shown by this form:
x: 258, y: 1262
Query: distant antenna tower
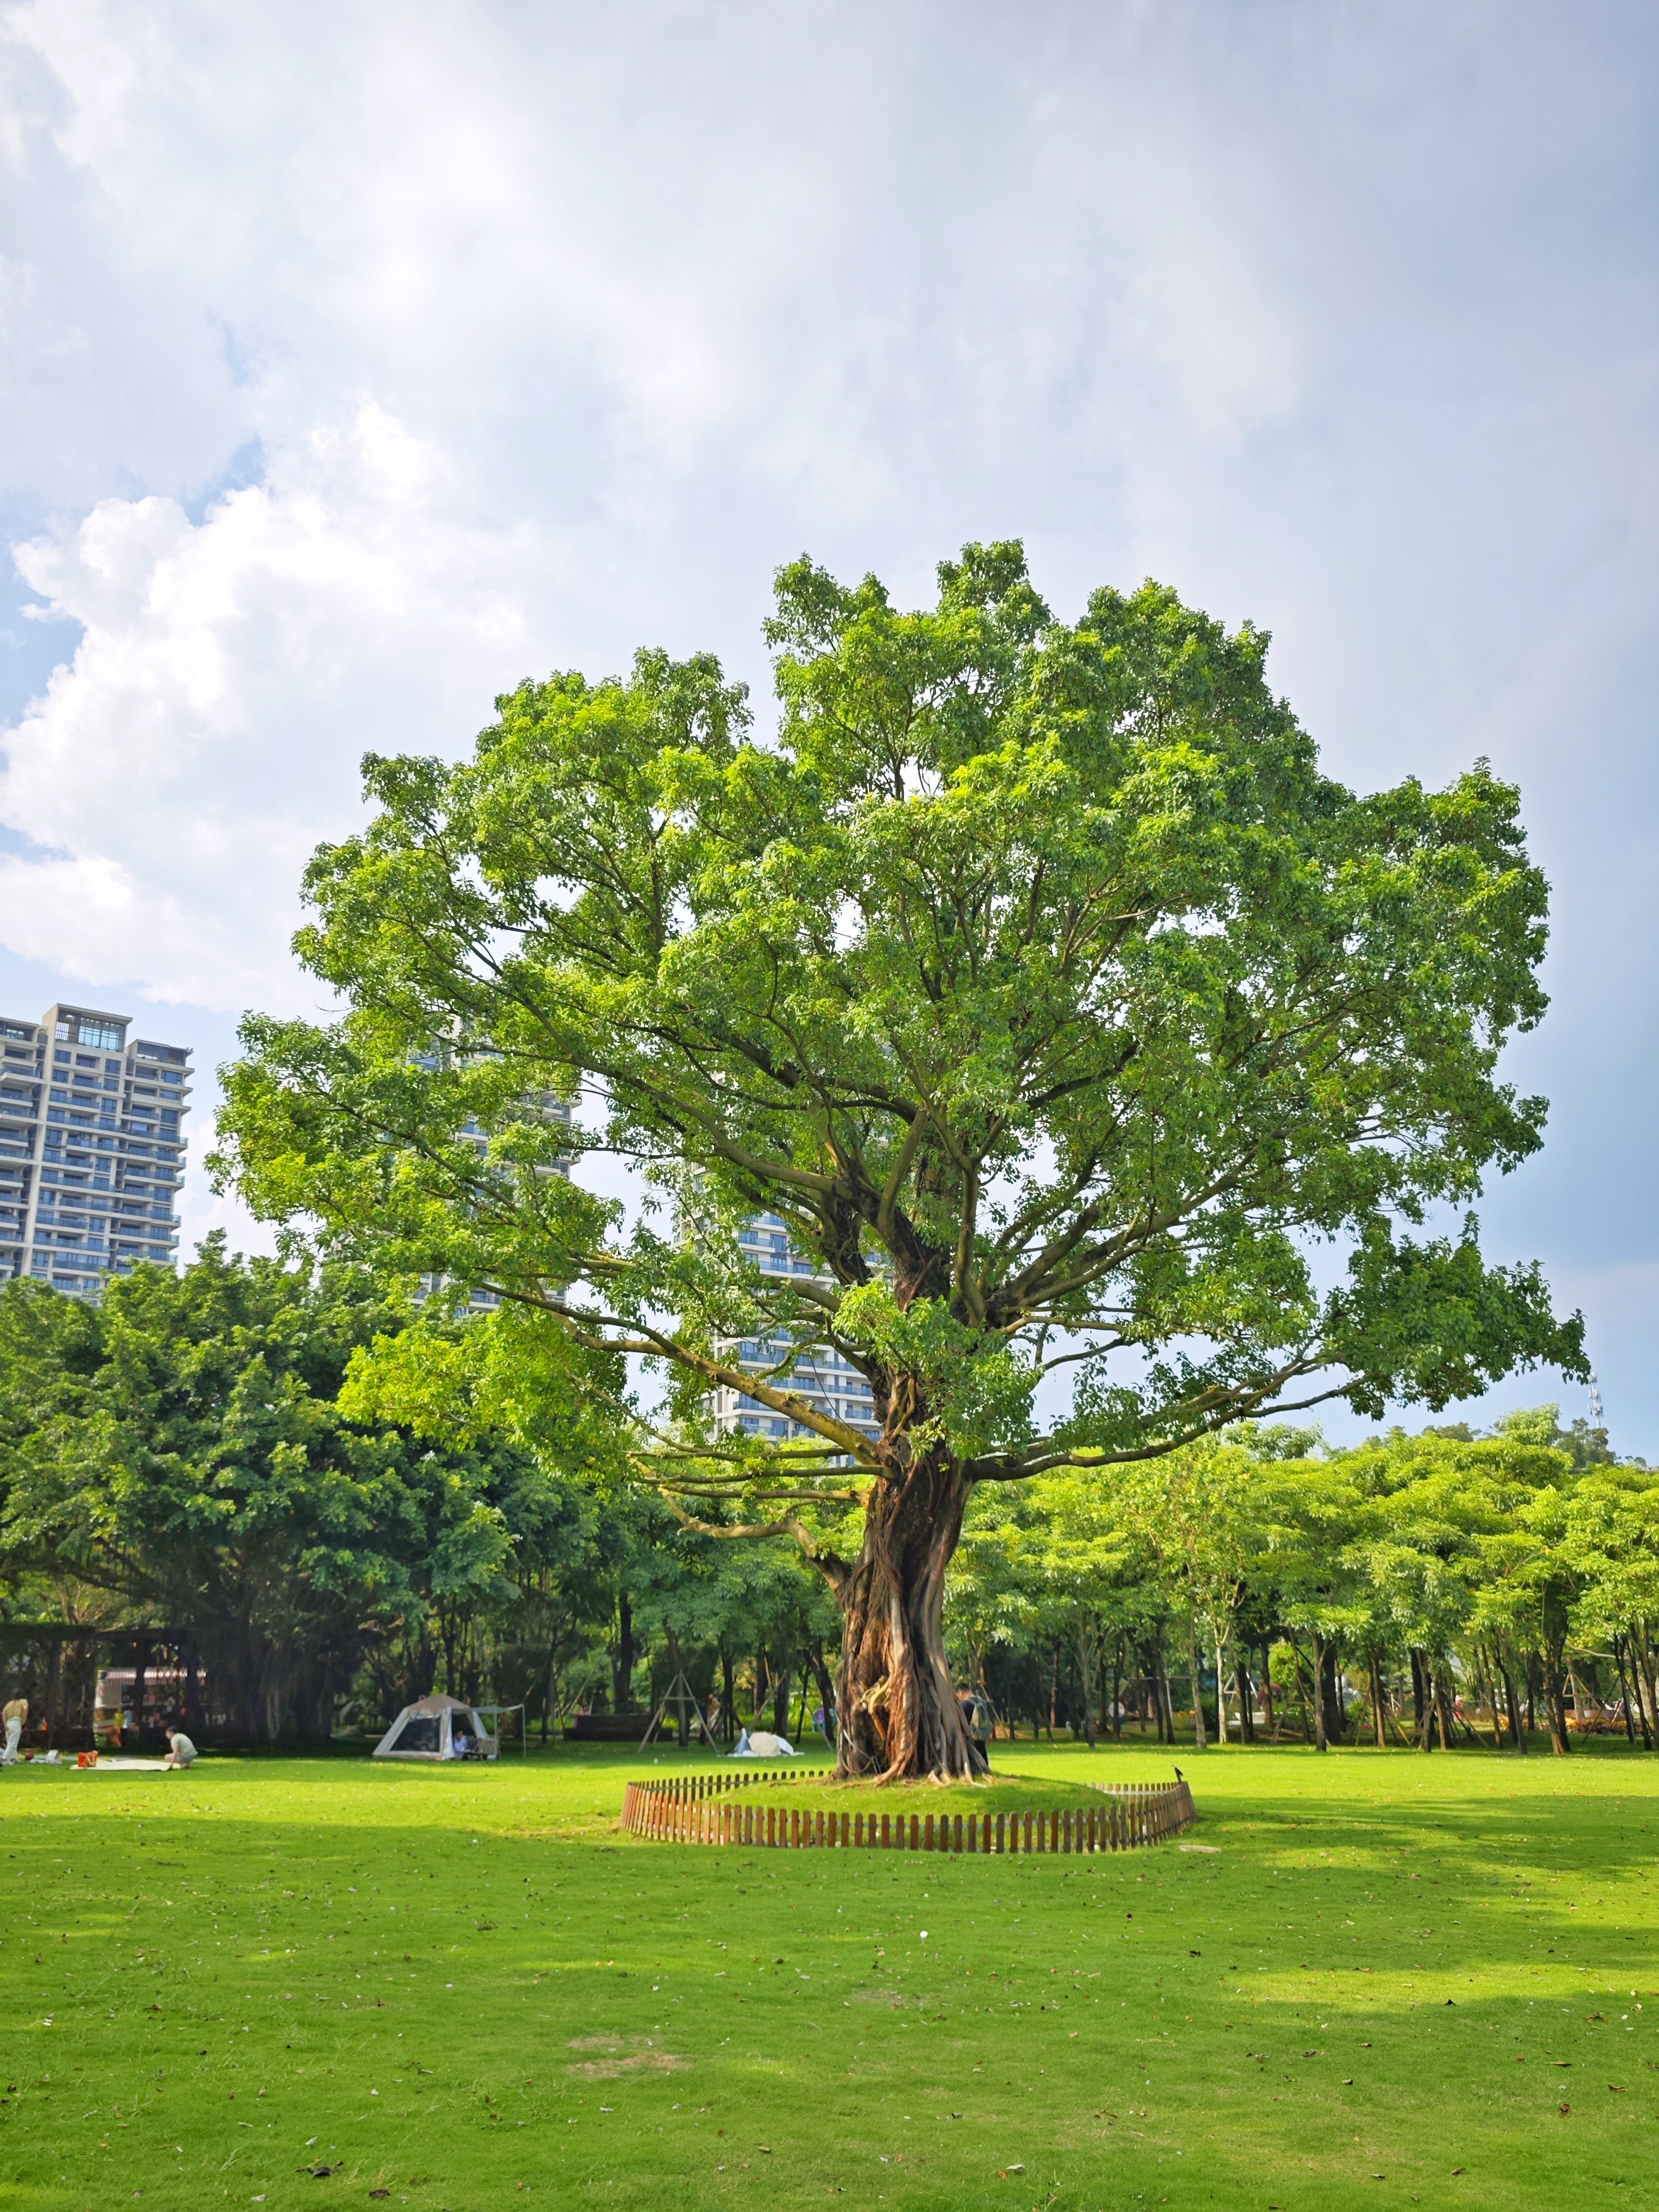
x: 1598, y: 1420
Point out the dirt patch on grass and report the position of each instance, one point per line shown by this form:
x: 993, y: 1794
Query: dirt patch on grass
x: 622, y: 2054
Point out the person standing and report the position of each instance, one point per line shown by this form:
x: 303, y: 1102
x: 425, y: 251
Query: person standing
x: 15, y: 1717
x: 984, y: 1727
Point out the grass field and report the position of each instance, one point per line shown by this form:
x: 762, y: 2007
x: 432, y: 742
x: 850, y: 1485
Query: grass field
x: 1387, y: 1980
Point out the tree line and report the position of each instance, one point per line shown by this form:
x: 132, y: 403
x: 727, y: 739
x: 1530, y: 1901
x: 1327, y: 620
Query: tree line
x: 234, y: 1452
x: 186, y: 1454
x: 1425, y: 1589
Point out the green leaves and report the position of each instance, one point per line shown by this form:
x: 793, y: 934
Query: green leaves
x: 1032, y: 975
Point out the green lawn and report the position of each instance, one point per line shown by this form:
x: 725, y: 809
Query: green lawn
x: 468, y: 1990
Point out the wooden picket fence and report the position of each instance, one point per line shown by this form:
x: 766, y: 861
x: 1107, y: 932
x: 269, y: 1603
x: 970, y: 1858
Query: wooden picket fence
x: 708, y: 1809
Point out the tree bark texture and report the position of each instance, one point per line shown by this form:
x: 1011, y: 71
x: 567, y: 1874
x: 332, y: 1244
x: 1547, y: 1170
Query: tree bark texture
x: 899, y: 1715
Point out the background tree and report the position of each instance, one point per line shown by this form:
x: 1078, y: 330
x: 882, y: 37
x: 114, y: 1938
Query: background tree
x: 179, y: 1447
x: 1031, y: 972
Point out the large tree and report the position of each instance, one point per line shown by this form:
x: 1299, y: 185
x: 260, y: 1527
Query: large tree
x: 1031, y: 972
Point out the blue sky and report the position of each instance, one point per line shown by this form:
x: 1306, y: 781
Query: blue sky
x: 357, y: 361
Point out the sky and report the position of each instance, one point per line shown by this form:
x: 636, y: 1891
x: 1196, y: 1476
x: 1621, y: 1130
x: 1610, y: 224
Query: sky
x: 358, y: 361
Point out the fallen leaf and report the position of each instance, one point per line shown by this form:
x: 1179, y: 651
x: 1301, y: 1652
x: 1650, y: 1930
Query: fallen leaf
x: 1566, y: 2108
x: 1617, y: 2087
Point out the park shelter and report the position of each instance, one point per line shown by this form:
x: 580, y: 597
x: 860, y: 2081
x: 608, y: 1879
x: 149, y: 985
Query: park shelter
x: 438, y: 1727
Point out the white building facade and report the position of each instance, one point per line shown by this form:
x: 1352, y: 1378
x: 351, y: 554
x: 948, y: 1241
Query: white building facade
x: 829, y: 1383
x: 91, y: 1147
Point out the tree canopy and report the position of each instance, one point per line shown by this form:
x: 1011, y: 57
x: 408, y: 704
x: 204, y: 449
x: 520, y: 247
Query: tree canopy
x: 1030, y: 971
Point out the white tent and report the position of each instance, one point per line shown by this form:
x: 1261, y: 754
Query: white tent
x: 438, y: 1727
x: 761, y: 1743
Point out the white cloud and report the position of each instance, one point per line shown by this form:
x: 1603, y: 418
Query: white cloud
x: 207, y: 733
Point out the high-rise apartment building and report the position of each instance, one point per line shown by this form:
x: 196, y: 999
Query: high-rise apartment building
x: 829, y: 1383
x: 550, y: 1108
x: 91, y: 1131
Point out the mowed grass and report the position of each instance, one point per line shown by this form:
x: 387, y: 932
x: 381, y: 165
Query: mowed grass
x: 1389, y: 1979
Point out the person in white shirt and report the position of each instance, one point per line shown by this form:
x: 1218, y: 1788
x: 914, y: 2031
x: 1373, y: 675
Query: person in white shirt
x: 15, y: 1717
x: 183, y: 1751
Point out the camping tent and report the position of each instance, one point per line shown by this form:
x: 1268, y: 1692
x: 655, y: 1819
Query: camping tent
x: 437, y: 1728
x: 761, y: 1743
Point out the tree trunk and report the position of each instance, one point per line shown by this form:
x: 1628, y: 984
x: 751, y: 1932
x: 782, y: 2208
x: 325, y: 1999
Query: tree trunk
x: 1201, y: 1741
x: 1321, y: 1738
x: 1517, y: 1722
x: 139, y: 1666
x: 195, y: 1720
x: 1166, y: 1729
x: 899, y: 1715
x: 826, y: 1687
x: 622, y: 1657
x: 1644, y: 1714
x: 1379, y: 1723
x: 1267, y: 1689
x: 1645, y: 1649
x: 1220, y: 1691
x: 1624, y: 1690
x: 1423, y: 1698
x: 1555, y: 1693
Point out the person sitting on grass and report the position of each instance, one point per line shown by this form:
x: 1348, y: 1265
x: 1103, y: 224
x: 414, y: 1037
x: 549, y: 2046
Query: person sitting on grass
x: 181, y: 1751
